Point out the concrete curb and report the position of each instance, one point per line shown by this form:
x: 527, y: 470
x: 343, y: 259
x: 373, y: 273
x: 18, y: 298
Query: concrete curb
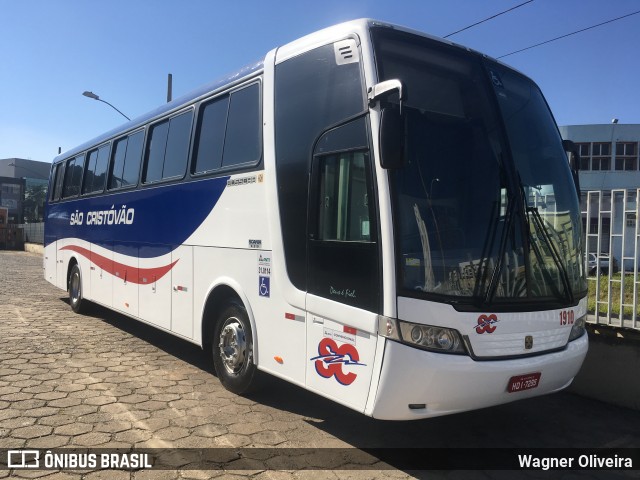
x: 610, y: 371
x: 34, y: 248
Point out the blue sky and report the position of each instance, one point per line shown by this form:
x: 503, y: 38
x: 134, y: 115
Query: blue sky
x: 52, y: 51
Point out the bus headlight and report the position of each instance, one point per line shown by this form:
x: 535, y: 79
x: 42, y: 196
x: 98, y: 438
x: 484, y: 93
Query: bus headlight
x: 578, y: 329
x: 426, y: 337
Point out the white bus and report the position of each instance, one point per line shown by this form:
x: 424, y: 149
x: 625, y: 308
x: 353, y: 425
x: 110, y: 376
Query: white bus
x: 376, y: 215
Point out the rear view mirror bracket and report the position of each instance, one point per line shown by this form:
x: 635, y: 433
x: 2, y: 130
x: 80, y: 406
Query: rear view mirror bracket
x: 383, y: 89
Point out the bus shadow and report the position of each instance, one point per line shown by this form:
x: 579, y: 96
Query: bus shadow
x: 168, y: 343
x: 558, y: 421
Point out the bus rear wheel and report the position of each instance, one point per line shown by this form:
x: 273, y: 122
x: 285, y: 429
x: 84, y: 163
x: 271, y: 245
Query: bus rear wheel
x: 75, y: 290
x: 233, y: 350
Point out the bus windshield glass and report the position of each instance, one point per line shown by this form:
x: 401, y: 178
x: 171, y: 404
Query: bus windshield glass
x: 485, y: 208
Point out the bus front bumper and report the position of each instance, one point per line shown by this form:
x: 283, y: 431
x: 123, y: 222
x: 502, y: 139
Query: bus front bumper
x: 419, y: 384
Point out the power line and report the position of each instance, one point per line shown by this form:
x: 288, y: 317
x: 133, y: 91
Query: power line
x: 487, y: 19
x: 569, y: 34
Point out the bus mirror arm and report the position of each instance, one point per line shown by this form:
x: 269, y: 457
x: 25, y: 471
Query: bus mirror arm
x: 383, y: 89
x: 574, y: 162
x: 392, y: 128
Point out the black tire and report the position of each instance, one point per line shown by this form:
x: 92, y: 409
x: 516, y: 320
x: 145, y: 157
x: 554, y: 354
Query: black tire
x: 76, y: 301
x: 232, y: 348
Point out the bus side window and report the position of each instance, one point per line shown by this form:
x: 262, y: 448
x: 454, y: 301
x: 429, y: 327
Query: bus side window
x: 242, y: 140
x: 209, y: 142
x: 57, y: 185
x: 177, y: 152
x: 116, y: 179
x: 127, y: 155
x: 92, y: 158
x: 229, y: 131
x: 157, y: 146
x: 73, y: 177
x: 96, y: 169
x: 168, y: 149
x: 344, y: 203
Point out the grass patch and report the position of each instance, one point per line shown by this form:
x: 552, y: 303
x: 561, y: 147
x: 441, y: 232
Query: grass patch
x: 615, y: 282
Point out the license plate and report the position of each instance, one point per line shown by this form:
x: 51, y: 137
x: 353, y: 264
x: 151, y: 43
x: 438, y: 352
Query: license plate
x: 523, y: 382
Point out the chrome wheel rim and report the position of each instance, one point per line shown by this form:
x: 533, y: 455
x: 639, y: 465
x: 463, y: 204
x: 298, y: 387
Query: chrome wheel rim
x: 233, y: 346
x: 74, y: 287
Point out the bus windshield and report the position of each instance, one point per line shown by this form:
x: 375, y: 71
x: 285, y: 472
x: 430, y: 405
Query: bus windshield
x: 485, y: 209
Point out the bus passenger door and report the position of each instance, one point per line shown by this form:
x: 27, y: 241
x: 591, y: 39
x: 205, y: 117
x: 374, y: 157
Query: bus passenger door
x: 343, y: 297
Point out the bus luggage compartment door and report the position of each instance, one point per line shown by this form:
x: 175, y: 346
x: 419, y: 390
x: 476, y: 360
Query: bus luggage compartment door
x: 182, y: 291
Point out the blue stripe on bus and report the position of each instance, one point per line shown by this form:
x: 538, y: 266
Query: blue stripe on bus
x: 161, y: 218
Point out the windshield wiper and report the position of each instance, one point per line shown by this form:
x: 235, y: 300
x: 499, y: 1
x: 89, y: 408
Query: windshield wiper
x: 495, y: 275
x: 555, y: 255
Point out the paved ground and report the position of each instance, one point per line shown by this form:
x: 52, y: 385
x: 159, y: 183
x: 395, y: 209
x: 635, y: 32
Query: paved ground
x: 102, y: 380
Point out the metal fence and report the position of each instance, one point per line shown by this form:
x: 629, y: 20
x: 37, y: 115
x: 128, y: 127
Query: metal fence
x: 612, y: 256
x: 33, y: 232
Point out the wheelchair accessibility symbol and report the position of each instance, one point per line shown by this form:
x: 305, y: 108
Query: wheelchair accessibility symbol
x: 265, y: 286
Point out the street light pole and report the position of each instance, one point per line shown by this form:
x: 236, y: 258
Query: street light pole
x: 96, y: 97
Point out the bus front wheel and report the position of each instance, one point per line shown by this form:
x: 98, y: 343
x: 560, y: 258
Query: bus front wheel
x: 75, y: 290
x: 233, y: 350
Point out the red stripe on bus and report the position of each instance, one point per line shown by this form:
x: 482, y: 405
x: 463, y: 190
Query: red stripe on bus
x: 133, y: 274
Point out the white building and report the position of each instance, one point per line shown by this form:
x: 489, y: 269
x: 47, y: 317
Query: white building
x: 610, y: 164
x: 23, y: 185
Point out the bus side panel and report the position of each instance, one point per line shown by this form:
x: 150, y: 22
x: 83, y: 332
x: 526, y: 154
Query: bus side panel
x: 100, y: 277
x: 125, y: 282
x: 279, y: 336
x: 66, y: 252
x: 233, y: 247
x: 50, y: 262
x: 154, y: 292
x: 182, y: 291
x: 62, y: 259
x: 341, y: 348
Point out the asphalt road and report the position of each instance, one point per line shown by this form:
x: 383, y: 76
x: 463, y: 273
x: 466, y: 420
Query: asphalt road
x: 104, y: 381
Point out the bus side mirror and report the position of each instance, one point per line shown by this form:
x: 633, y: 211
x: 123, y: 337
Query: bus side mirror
x: 391, y: 122
x: 574, y: 162
x: 391, y: 138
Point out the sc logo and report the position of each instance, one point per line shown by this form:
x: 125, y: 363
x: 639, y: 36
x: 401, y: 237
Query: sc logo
x: 332, y: 357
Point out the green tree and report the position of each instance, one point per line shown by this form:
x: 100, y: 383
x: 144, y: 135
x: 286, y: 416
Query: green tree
x: 33, y: 205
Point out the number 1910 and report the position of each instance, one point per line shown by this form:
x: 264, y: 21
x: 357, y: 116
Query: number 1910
x: 566, y: 317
